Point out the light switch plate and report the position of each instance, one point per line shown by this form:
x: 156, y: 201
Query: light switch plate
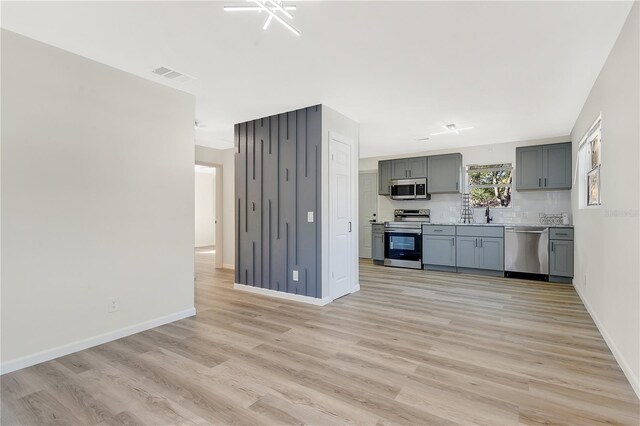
x: 295, y: 275
x: 309, y: 216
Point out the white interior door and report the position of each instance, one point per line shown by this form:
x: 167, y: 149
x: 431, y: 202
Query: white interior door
x: 340, y: 221
x: 367, y: 210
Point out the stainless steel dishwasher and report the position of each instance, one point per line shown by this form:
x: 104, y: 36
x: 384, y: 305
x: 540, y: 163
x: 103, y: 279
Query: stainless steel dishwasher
x: 526, y: 249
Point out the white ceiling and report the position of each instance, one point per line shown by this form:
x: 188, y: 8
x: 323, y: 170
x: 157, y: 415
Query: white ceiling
x: 512, y: 70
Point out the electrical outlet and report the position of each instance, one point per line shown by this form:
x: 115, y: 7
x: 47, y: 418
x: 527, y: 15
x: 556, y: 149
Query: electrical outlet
x: 114, y: 304
x: 295, y: 275
x: 309, y: 216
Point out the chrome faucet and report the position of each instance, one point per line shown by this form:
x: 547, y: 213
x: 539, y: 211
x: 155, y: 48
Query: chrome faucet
x: 486, y: 214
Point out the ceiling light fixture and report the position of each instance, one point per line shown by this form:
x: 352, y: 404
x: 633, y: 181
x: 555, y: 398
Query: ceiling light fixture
x: 451, y: 128
x: 253, y: 8
x: 272, y: 7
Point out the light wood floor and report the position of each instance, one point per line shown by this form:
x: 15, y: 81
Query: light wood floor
x: 411, y: 347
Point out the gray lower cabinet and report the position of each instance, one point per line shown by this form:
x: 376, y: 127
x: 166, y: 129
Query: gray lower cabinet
x: 384, y: 176
x: 543, y: 167
x: 491, y: 254
x: 377, y: 241
x: 439, y: 250
x: 466, y: 252
x: 444, y: 173
x: 561, y: 258
x: 480, y: 247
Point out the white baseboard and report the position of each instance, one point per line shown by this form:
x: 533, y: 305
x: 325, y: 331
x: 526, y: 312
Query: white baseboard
x: 633, y: 381
x: 49, y: 354
x: 228, y: 266
x: 282, y: 295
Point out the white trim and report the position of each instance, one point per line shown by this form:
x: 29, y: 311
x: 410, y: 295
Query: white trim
x: 283, y: 295
x: 633, y: 381
x: 229, y: 266
x: 49, y: 354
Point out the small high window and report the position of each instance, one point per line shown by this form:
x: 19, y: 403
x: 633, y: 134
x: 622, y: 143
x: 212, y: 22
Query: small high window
x: 490, y: 185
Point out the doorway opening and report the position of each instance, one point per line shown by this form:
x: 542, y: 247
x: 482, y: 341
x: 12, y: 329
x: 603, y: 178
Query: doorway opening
x: 208, y: 214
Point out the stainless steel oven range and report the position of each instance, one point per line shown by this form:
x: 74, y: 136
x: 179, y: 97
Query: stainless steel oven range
x: 403, y: 238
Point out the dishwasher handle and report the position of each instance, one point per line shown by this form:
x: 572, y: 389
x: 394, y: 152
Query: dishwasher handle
x: 524, y: 231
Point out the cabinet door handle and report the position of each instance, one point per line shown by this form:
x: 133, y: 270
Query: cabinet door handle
x: 453, y: 242
x: 552, y: 246
x: 480, y: 242
x: 476, y: 242
x: 539, y: 182
x: 545, y: 182
x: 456, y: 186
x: 349, y: 226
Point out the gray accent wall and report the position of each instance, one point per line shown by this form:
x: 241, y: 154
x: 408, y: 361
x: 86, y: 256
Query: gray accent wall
x: 277, y: 181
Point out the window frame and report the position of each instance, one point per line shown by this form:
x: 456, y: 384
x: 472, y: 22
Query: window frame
x: 584, y: 167
x: 487, y: 168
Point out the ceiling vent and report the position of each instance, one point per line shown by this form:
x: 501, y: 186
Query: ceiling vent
x: 171, y: 74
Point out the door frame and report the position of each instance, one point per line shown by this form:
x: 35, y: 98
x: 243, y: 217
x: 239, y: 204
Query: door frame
x: 219, y: 216
x: 353, y: 189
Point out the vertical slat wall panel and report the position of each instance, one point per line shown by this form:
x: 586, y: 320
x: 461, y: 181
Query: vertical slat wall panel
x: 302, y: 204
x: 241, y: 160
x: 254, y: 195
x: 279, y: 245
x: 311, y: 199
x: 288, y: 195
x: 278, y: 172
x: 268, y: 191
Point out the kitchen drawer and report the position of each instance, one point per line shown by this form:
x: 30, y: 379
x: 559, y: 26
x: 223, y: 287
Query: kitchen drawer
x: 438, y: 230
x: 377, y: 228
x: 480, y: 231
x: 561, y: 234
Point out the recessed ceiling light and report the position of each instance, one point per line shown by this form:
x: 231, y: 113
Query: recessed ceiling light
x: 451, y: 128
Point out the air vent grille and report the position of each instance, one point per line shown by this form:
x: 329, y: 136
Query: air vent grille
x: 172, y: 74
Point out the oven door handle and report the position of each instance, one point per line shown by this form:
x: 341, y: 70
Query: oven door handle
x: 403, y: 231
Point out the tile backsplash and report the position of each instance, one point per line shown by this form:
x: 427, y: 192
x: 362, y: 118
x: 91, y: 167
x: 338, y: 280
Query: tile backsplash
x: 445, y: 208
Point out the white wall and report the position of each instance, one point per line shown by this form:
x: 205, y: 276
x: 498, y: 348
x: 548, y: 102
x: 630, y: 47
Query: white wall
x: 445, y: 208
x: 224, y: 158
x: 334, y: 122
x: 97, y: 202
x: 205, y: 207
x: 607, y: 250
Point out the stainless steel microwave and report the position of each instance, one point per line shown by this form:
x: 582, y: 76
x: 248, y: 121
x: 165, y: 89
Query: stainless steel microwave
x: 409, y: 189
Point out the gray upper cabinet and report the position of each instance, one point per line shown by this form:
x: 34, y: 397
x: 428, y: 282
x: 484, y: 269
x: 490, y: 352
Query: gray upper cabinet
x: 557, y: 166
x: 400, y: 168
x: 491, y: 254
x: 418, y: 167
x: 444, y: 174
x: 543, y: 167
x: 529, y: 167
x: 404, y: 168
x: 384, y: 176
